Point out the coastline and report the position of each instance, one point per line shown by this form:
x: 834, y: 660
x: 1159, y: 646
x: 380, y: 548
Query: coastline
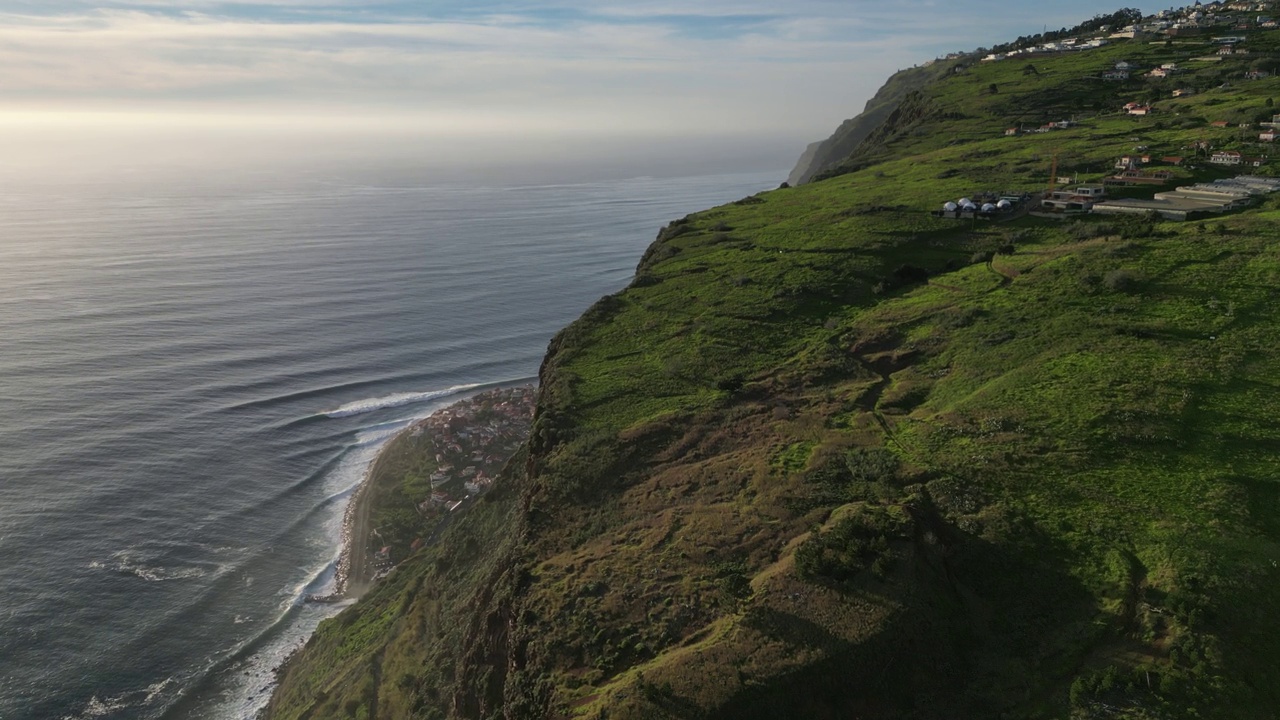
x: 453, y: 426
x: 354, y: 523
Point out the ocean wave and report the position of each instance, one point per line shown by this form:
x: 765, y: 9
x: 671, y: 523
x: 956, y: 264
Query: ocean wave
x: 101, y: 707
x: 359, y: 407
x: 128, y: 563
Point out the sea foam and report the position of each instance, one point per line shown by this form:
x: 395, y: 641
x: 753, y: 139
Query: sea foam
x: 395, y: 400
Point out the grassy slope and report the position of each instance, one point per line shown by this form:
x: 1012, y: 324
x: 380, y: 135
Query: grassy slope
x: 1082, y: 519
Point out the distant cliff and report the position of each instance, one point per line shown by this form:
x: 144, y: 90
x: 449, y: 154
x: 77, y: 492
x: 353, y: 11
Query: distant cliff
x: 821, y: 157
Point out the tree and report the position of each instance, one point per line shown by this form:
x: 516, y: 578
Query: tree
x: 993, y: 88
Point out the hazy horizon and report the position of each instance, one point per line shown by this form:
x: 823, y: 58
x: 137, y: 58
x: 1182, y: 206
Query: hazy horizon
x: 643, y: 88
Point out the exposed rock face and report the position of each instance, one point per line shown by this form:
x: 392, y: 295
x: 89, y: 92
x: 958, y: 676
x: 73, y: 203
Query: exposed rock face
x: 823, y: 156
x: 801, y: 172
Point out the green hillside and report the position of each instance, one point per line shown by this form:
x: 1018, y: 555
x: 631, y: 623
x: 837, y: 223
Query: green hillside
x: 830, y: 456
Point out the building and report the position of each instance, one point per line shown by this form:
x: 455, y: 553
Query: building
x: 1140, y: 110
x: 1010, y: 131
x: 1139, y: 177
x: 1226, y: 157
x: 1268, y: 135
x: 1076, y: 200
x: 1183, y: 203
x: 1219, y: 123
x: 1167, y: 209
x: 1183, y: 92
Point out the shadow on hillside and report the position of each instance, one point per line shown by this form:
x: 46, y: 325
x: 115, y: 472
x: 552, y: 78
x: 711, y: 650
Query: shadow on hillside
x: 986, y: 628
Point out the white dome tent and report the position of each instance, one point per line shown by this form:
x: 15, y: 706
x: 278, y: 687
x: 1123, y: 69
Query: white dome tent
x: 950, y: 207
x: 1004, y: 205
x: 988, y: 208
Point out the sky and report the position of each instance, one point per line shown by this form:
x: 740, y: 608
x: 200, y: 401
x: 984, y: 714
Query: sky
x: 710, y: 74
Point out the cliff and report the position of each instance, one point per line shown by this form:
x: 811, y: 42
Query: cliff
x: 820, y: 158
x: 831, y: 455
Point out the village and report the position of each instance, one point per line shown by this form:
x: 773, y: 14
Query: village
x: 472, y: 439
x: 462, y: 448
x: 1193, y: 21
x: 1142, y: 168
x: 1144, y: 181
x: 1185, y: 202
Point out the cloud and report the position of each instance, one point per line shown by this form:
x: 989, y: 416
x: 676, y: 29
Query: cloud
x: 649, y: 66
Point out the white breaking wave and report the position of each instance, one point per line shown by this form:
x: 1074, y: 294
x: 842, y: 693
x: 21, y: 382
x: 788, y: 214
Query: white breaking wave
x: 98, y: 707
x: 394, y: 400
x: 127, y: 562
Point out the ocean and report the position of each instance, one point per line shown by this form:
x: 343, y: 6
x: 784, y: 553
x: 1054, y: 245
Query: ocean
x: 196, y: 370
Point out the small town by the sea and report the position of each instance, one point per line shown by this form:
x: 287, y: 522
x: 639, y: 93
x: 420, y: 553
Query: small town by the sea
x: 425, y: 476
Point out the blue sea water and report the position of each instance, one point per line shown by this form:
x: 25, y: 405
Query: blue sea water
x: 196, y: 371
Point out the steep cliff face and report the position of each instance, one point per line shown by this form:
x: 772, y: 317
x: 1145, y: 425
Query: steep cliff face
x: 832, y: 456
x: 805, y: 166
x: 821, y: 157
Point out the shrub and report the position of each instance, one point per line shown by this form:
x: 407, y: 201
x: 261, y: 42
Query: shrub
x: 1120, y: 280
x: 854, y: 544
x: 911, y: 274
x: 874, y: 464
x: 1088, y: 230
